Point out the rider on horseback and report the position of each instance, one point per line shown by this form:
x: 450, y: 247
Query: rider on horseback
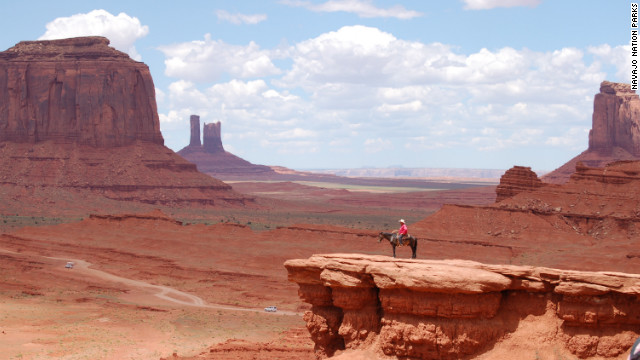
x: 402, y: 232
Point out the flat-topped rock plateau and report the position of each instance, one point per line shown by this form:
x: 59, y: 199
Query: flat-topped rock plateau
x: 79, y: 125
x: 456, y: 309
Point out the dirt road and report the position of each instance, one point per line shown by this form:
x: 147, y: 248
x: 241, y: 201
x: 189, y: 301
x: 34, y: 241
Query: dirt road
x: 174, y: 296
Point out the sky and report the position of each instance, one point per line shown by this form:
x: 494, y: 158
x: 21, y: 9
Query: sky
x: 333, y: 84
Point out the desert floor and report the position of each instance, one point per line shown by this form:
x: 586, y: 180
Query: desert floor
x: 146, y: 286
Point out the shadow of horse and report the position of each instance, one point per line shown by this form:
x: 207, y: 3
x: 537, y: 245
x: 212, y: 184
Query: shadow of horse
x: 409, y: 240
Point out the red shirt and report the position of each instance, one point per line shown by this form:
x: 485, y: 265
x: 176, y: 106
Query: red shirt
x: 403, y: 229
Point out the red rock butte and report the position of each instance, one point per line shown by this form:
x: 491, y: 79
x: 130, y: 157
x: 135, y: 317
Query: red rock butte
x: 78, y: 90
x: 78, y: 115
x: 615, y: 131
x: 211, y: 157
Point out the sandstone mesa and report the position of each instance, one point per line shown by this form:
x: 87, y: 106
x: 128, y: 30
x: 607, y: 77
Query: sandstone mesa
x: 79, y: 116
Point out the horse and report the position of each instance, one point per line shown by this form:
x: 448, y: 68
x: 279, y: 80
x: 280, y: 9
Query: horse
x: 393, y: 240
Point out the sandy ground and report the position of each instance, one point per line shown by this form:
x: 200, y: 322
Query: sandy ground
x: 84, y: 313
x: 147, y: 287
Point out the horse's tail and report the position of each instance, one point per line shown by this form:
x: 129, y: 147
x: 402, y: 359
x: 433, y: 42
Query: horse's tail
x: 415, y: 248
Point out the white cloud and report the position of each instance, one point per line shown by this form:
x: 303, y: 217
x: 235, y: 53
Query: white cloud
x: 617, y: 56
x: 412, y: 106
x: 176, y: 116
x: 365, y: 90
x: 362, y: 8
x: 490, y: 4
x: 574, y: 138
x: 122, y: 30
x: 205, y: 60
x: 239, y: 19
x: 377, y: 145
x: 296, y: 133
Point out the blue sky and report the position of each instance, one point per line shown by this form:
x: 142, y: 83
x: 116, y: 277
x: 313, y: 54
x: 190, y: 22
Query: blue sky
x: 364, y: 83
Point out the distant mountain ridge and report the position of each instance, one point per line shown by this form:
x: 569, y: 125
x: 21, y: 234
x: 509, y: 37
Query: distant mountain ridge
x: 399, y: 172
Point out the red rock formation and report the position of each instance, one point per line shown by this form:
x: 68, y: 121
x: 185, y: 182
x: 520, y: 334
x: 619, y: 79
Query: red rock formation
x: 427, y: 309
x: 212, y: 159
x: 616, y: 119
x: 212, y: 138
x: 76, y: 90
x: 589, y: 223
x: 80, y: 116
x: 195, y: 131
x: 516, y: 180
x: 615, y: 131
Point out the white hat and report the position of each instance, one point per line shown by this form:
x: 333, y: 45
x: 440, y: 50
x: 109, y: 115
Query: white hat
x: 402, y: 221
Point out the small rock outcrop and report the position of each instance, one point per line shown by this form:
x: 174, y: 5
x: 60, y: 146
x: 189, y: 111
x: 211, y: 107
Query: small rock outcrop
x: 453, y: 309
x: 516, y: 180
x: 614, y: 134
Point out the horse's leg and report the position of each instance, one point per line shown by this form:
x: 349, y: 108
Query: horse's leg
x: 414, y: 248
x: 394, y: 249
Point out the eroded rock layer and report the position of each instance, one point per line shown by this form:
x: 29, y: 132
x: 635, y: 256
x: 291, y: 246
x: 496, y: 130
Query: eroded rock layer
x: 453, y: 309
x: 140, y: 172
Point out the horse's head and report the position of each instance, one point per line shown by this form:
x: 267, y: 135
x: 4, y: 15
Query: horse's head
x: 380, y: 237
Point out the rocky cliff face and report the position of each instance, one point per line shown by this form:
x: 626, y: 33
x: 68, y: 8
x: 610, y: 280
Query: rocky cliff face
x: 452, y: 309
x: 616, y: 119
x: 76, y: 90
x: 615, y: 131
x: 79, y: 116
x: 427, y: 309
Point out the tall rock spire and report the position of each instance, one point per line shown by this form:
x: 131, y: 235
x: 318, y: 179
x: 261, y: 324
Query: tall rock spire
x: 212, y: 140
x: 195, y: 131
